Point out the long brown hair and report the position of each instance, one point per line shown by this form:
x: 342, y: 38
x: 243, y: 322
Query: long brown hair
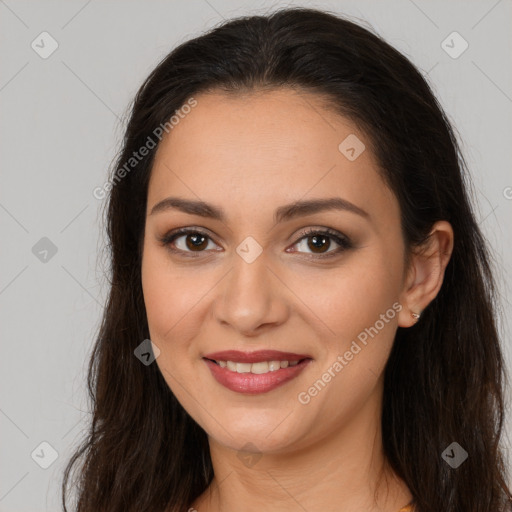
x: 445, y: 377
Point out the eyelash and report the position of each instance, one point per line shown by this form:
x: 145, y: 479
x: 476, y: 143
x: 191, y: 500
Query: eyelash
x: 343, y: 241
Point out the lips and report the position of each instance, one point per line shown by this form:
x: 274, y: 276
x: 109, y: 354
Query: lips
x: 255, y: 372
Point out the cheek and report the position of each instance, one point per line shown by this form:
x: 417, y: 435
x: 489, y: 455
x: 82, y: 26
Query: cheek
x: 361, y: 309
x: 359, y: 305
x: 170, y: 298
x: 172, y: 307
x: 176, y: 300
x: 354, y: 297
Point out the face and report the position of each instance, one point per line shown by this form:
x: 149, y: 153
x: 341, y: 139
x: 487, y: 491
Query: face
x: 305, y: 300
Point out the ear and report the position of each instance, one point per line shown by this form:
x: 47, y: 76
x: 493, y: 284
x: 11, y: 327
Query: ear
x: 426, y: 272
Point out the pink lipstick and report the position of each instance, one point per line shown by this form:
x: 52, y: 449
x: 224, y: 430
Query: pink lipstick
x: 255, y: 372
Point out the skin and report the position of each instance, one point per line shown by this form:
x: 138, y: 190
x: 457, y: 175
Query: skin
x: 250, y: 154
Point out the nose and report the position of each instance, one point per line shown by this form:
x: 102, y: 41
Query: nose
x: 252, y: 297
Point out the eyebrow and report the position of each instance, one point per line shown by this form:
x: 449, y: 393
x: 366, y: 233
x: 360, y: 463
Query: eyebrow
x: 283, y: 213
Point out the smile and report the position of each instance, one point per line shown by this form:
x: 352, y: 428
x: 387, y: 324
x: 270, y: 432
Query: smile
x: 256, y: 372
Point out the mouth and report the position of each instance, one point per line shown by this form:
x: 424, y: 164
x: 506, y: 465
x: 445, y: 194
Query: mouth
x: 255, y: 372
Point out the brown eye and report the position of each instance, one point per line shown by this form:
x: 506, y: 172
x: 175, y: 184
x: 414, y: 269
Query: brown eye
x: 186, y: 241
x: 319, y: 241
x: 196, y: 241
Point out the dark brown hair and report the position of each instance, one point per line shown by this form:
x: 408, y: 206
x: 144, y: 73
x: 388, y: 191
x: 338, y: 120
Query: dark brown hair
x: 445, y: 376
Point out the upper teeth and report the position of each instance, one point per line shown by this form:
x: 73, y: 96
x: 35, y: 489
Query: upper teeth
x: 262, y: 367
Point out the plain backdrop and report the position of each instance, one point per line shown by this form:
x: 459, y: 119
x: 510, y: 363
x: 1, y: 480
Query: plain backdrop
x: 60, y: 127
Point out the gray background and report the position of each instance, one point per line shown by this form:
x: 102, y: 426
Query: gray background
x: 60, y: 127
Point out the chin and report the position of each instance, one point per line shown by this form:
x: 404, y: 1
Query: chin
x: 257, y: 429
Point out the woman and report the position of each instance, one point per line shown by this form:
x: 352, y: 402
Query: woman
x: 289, y: 225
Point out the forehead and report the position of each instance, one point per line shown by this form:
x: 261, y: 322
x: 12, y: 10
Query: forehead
x: 274, y: 146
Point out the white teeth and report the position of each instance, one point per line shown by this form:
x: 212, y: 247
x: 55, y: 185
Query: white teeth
x: 257, y: 368
x: 274, y: 365
x: 243, y: 367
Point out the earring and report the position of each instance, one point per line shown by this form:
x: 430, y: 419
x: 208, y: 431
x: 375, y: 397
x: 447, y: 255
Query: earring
x: 415, y: 315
